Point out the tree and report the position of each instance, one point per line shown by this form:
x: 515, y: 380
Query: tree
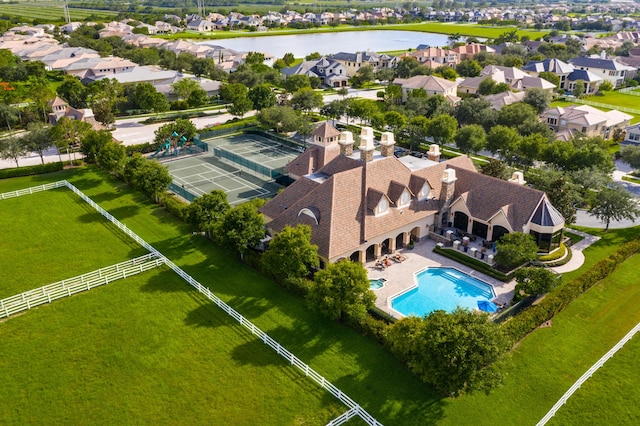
x: 458, y: 352
x: 93, y: 142
x: 469, y: 68
x: 149, y: 99
x: 443, y: 129
x: 184, y: 87
x: 306, y: 100
x: 288, y: 59
x: 281, y: 118
x: 202, y: 66
x: 515, y: 249
x: 262, y: 96
x: 181, y: 127
x: 539, y: 99
x: 416, y: 131
x: 37, y: 139
x: 198, y: 98
x: 531, y: 148
x: 291, y: 254
x: 395, y: 120
x: 207, y: 211
x: 312, y: 56
x: 475, y: 111
x: 229, y: 92
x: 334, y: 109
x: 296, y: 82
x: 495, y: 168
x: 342, y: 289
x: 631, y: 155
x: 614, y: 203
x: 243, y: 228
x: 112, y: 157
x: 132, y: 168
x: 12, y: 148
x: 504, y: 141
x: 471, y: 139
x: 8, y: 115
x: 385, y: 74
x: 73, y: 91
x: 68, y: 133
x: 103, y: 97
x: 532, y: 281
x: 606, y: 86
x: 153, y: 178
x: 486, y: 86
x: 240, y: 106
x: 578, y: 88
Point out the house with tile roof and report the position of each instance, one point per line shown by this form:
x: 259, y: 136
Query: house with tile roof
x: 514, y: 77
x: 608, y: 69
x: 331, y: 72
x: 363, y: 203
x: 354, y: 61
x: 567, y: 74
x: 434, y: 57
x: 499, y: 100
x: 468, y: 50
x: 432, y: 85
x: 61, y: 109
x: 586, y: 120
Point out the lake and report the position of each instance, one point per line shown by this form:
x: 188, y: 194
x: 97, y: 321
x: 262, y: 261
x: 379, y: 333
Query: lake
x: 326, y: 43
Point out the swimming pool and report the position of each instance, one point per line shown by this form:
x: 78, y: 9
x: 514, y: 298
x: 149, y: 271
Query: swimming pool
x: 377, y: 284
x: 442, y: 289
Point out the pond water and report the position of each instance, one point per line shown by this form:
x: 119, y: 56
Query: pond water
x: 327, y: 43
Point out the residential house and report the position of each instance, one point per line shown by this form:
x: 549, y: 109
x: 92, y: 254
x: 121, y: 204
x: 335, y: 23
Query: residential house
x: 468, y: 50
x: 60, y: 109
x: 434, y: 57
x: 608, y: 69
x: 354, y: 61
x: 499, y: 100
x: 200, y: 25
x: 331, y: 72
x: 515, y: 78
x: 431, y: 85
x: 632, y: 135
x: 586, y: 120
x: 366, y: 203
x: 567, y: 74
x: 90, y: 69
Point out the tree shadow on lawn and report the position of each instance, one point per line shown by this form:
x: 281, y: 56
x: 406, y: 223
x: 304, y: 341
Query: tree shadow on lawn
x: 120, y: 213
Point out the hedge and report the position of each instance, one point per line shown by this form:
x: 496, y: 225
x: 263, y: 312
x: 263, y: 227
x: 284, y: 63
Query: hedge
x: 31, y: 170
x: 476, y: 264
x: 555, y: 255
x: 175, y: 206
x: 523, y: 324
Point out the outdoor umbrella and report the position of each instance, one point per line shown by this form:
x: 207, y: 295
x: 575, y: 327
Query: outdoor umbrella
x: 485, y: 305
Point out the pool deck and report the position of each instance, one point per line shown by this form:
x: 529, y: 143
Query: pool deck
x: 400, y: 276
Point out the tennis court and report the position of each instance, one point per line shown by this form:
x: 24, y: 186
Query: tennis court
x: 243, y: 166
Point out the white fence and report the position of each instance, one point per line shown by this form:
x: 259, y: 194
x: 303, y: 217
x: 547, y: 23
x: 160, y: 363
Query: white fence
x: 587, y: 375
x: 354, y: 408
x: 33, y: 189
x: 47, y: 294
x: 607, y: 106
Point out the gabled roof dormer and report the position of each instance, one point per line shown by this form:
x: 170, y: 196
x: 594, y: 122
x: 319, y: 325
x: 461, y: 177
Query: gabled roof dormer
x: 378, y: 202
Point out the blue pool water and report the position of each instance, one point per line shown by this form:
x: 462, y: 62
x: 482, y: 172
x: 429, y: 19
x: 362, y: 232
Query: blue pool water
x: 442, y: 289
x: 377, y: 284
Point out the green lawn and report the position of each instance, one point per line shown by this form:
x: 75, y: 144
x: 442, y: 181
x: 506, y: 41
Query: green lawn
x: 634, y: 120
x: 53, y: 235
x: 147, y: 350
x: 49, y: 12
x: 544, y: 366
x: 428, y: 27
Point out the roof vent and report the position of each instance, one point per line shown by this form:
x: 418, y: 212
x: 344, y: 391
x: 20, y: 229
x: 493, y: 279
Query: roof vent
x: 517, y: 177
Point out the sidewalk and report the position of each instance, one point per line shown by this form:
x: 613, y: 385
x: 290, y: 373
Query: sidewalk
x: 577, y: 258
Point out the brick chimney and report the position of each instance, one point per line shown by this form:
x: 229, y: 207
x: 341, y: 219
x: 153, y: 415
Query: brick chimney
x: 434, y: 153
x: 346, y: 143
x: 387, y: 144
x: 366, y: 144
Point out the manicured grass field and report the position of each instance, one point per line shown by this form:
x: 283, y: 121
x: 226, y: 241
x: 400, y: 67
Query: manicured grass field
x: 147, y: 350
x: 635, y: 119
x: 53, y: 235
x: 545, y: 364
x: 51, y: 12
x: 428, y: 27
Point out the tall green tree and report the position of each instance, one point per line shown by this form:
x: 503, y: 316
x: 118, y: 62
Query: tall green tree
x: 243, y: 228
x: 296, y: 82
x: 459, y: 352
x: 12, y: 148
x: 504, y: 141
x: 306, y: 100
x: 471, y: 139
x: 614, y: 203
x: 152, y: 178
x: 533, y: 281
x: 291, y: 254
x: 37, y: 139
x: 149, y: 99
x: 262, y: 96
x: 68, y: 133
x: 207, y: 211
x: 112, y: 157
x: 73, y: 91
x: 539, y: 99
x: 342, y: 289
x: 443, y: 129
x: 515, y: 249
x: 631, y: 155
x: 93, y: 142
x: 184, y: 88
x: 280, y: 118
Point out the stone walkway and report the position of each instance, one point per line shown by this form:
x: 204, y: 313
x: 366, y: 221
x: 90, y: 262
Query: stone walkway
x: 400, y: 276
x: 577, y: 258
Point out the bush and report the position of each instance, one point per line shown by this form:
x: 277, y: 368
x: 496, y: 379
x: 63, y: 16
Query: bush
x: 31, y: 170
x: 370, y: 326
x: 175, y: 206
x: 476, y: 264
x: 555, y: 255
x: 518, y: 327
x: 298, y: 286
x: 143, y: 148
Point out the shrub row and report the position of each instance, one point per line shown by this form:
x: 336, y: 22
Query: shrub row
x: 173, y: 117
x: 562, y: 261
x: 555, y: 255
x: 175, y: 206
x: 142, y: 148
x: 476, y: 264
x: 523, y: 324
x: 31, y: 170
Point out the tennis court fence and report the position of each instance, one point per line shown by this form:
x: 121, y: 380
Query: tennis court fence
x: 248, y: 164
x: 183, y: 192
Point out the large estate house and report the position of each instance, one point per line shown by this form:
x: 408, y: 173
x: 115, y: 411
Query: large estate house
x: 365, y: 203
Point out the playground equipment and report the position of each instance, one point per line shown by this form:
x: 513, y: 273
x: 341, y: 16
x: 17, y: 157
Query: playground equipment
x: 175, y: 145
